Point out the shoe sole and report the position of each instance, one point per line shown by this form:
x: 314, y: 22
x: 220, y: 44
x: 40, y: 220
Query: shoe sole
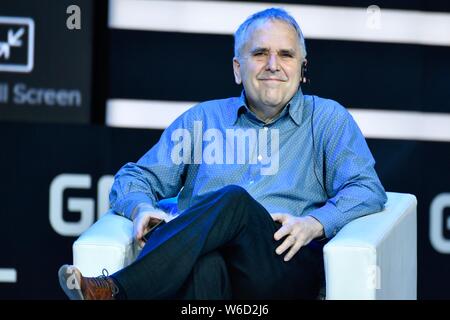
x: 64, y: 274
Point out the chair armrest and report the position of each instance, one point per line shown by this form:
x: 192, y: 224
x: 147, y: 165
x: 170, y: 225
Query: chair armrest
x: 375, y: 256
x: 107, y: 244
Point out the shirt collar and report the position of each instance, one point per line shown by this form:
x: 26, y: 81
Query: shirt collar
x: 295, y: 107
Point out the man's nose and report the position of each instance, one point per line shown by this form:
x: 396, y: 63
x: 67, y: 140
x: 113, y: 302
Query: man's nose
x: 272, y: 64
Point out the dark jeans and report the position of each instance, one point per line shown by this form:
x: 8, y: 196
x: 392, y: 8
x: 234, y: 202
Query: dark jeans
x: 220, y: 248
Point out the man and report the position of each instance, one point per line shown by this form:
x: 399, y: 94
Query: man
x: 251, y: 224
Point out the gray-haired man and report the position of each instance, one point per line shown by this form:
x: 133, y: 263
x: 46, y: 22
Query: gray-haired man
x: 247, y: 225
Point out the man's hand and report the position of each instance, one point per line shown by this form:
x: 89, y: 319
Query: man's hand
x: 299, y: 231
x: 142, y: 223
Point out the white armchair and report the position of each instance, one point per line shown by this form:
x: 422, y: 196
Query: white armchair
x: 372, y: 257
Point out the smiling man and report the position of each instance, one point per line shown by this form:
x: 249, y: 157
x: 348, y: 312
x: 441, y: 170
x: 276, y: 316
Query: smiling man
x: 239, y: 233
x: 269, y: 66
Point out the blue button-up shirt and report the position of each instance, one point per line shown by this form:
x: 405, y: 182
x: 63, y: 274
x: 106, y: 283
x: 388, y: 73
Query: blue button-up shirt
x: 325, y: 168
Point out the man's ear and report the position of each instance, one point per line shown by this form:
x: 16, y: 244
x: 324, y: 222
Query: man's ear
x: 237, y: 71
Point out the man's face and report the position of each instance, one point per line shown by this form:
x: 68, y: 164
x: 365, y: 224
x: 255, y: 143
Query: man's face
x: 269, y: 65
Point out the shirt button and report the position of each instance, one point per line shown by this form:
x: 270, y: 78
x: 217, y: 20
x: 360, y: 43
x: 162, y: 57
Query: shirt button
x: 259, y: 157
x: 265, y: 128
x: 251, y: 182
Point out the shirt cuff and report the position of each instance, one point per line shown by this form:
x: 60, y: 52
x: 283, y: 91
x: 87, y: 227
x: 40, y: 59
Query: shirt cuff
x: 126, y: 206
x: 326, y: 215
x: 154, y: 212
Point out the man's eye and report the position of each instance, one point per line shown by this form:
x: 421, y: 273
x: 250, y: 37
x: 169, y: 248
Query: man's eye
x: 287, y: 55
x: 256, y: 54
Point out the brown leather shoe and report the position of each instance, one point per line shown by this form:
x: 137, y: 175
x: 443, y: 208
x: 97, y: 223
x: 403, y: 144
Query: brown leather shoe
x: 77, y: 287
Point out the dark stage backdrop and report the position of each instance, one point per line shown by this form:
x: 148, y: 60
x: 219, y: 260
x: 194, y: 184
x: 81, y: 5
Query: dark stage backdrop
x: 74, y: 159
x: 46, y: 60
